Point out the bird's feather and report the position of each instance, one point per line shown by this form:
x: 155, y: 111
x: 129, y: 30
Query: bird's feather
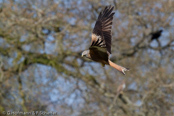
x: 101, y: 35
x: 99, y: 54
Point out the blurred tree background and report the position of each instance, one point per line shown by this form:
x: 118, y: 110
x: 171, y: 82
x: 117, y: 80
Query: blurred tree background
x: 41, y: 68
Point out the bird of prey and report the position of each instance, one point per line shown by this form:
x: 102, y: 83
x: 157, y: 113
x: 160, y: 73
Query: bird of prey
x: 156, y: 35
x: 100, y: 48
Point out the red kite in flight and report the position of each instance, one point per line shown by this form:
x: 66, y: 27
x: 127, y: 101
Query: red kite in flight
x: 100, y: 48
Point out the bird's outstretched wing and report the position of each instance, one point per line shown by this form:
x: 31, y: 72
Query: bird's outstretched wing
x: 101, y: 35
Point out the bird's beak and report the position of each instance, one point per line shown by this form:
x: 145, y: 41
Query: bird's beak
x: 82, y: 55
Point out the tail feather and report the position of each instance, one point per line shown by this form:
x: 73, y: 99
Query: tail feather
x: 119, y: 68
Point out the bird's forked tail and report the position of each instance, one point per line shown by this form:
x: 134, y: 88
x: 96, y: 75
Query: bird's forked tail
x: 119, y: 68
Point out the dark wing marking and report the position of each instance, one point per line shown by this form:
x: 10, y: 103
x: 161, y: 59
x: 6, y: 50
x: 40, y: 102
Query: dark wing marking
x: 98, y: 41
x: 101, y: 35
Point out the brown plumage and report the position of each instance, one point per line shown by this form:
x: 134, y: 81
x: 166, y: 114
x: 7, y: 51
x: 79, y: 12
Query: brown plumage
x: 100, y: 48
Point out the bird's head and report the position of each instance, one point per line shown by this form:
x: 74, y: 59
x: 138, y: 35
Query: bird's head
x: 85, y: 53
